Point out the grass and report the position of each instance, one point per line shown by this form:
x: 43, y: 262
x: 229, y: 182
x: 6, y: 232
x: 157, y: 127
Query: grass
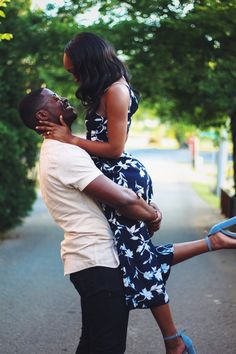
x: 205, y: 192
x: 2, y: 236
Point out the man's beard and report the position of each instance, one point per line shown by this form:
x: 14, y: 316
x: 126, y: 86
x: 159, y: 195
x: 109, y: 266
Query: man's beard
x: 69, y: 119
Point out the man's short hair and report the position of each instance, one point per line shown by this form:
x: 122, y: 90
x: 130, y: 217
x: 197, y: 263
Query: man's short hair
x: 29, y: 106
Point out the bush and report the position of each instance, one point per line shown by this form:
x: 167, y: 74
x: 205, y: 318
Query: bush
x: 17, y: 187
x: 31, y: 59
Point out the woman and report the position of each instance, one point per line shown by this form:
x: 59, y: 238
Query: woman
x: 110, y: 103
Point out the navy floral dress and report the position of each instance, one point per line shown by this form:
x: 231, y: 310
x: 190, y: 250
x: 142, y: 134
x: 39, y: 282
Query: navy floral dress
x: 145, y: 267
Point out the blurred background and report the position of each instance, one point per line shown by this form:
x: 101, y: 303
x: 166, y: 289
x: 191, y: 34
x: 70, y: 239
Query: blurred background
x: 181, y: 59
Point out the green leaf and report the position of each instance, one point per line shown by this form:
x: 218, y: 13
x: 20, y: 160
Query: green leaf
x: 5, y: 36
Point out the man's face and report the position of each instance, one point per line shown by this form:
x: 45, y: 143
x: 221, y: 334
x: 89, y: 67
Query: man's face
x: 56, y: 106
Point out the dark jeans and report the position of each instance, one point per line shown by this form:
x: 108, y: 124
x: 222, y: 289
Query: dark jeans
x: 104, y: 312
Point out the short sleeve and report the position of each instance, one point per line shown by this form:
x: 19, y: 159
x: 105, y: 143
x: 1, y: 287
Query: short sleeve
x: 75, y: 167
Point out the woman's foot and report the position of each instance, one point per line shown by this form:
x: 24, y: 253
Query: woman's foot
x: 219, y: 241
x: 175, y: 346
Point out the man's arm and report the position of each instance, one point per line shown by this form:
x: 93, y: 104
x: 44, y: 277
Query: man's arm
x: 76, y: 169
x: 124, y: 200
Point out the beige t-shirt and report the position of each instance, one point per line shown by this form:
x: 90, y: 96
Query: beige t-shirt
x: 64, y: 171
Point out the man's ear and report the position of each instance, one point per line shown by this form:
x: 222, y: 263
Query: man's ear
x: 42, y: 115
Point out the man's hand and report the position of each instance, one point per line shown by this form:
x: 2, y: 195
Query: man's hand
x: 155, y: 224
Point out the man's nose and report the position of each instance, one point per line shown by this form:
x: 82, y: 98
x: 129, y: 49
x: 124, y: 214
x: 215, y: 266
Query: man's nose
x: 64, y: 100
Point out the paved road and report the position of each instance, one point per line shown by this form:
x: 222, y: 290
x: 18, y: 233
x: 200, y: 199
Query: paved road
x: 40, y: 311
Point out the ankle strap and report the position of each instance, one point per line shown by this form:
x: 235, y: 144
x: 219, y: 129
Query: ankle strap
x: 208, y: 242
x: 177, y: 334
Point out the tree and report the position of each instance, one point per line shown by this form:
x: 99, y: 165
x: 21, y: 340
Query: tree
x: 4, y: 36
x: 16, y: 158
x: 31, y: 58
x: 181, y: 54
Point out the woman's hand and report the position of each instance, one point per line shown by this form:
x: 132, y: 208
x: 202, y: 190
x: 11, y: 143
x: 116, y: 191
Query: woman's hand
x: 155, y: 224
x: 55, y: 131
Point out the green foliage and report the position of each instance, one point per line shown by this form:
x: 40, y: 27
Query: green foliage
x: 4, y: 36
x: 183, y: 131
x: 17, y: 191
x: 181, y: 55
x: 206, y: 193
x: 31, y: 59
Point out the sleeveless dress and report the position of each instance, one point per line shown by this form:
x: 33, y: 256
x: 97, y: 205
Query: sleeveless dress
x: 145, y: 267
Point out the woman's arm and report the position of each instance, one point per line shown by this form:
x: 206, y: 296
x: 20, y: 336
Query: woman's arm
x: 125, y: 201
x: 116, y: 107
x: 116, y: 103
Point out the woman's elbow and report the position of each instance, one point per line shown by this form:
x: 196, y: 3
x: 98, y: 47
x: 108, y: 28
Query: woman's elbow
x: 116, y: 153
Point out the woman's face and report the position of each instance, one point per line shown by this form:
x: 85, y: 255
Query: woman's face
x: 69, y: 66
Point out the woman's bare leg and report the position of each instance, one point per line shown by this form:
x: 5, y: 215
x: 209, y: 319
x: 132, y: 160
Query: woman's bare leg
x: 162, y: 314
x: 163, y: 317
x: 182, y: 252
x: 187, y: 250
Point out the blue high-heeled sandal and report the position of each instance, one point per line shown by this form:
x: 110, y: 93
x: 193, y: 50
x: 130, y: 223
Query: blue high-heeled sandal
x: 221, y: 227
x: 189, y: 348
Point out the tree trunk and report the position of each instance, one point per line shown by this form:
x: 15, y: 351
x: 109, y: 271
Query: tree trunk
x: 233, y: 130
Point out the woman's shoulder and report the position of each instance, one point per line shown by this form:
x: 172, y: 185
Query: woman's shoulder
x: 119, y: 85
x: 117, y: 90
x: 117, y: 94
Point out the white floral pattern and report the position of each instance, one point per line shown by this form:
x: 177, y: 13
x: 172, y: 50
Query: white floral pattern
x: 145, y: 267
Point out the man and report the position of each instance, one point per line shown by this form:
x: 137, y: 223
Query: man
x: 71, y: 184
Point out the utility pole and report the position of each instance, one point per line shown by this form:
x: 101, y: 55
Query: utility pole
x: 193, y: 144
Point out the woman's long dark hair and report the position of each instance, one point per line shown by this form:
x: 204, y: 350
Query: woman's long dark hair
x: 96, y: 67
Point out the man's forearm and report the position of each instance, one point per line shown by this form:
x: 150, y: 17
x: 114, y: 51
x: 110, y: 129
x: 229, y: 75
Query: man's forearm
x: 136, y: 208
x: 124, y: 200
